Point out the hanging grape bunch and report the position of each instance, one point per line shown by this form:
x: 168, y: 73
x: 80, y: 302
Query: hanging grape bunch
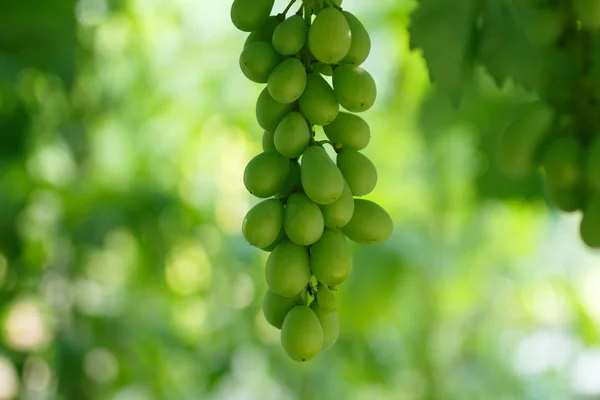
x: 310, y: 206
x: 559, y: 133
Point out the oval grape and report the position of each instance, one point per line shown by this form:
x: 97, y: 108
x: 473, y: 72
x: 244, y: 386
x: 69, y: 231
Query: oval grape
x: 318, y: 103
x: 263, y: 223
x: 360, y: 46
x: 302, y: 220
x: 301, y: 334
x: 354, y: 88
x: 258, y: 60
x: 349, y: 130
x: 276, y: 307
x: 326, y: 298
x: 290, y: 36
x: 321, y: 179
x: 288, y: 269
x: 370, y: 223
x: 358, y: 171
x: 330, y: 258
x: 329, y: 37
x: 292, y: 135
x: 266, y: 173
x: 287, y: 81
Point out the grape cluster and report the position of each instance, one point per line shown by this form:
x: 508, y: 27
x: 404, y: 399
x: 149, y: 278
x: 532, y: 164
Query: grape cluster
x: 559, y: 133
x: 310, y: 206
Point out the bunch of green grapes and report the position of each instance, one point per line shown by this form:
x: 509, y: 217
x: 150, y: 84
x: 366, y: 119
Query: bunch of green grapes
x: 560, y: 133
x: 310, y: 207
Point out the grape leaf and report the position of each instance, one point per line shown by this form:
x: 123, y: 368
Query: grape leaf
x: 445, y: 31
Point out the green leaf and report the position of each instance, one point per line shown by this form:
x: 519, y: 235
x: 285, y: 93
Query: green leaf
x: 445, y: 31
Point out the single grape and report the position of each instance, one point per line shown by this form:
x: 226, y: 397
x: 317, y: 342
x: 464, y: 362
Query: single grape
x: 258, y: 60
x: 358, y: 171
x: 301, y: 334
x: 354, y: 88
x: 270, y: 112
x: 290, y: 36
x: 266, y: 173
x: 263, y: 223
x: 321, y: 179
x: 302, y: 220
x: 329, y: 323
x: 288, y: 269
x: 318, y: 103
x: 287, y: 81
x: 349, y: 130
x: 250, y: 15
x: 292, y: 135
x: 329, y: 37
x: 370, y: 223
x: 339, y: 213
x: 360, y: 46
x: 330, y: 258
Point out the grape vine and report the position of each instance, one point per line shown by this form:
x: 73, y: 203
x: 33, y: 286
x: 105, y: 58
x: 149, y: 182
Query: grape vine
x: 310, y: 206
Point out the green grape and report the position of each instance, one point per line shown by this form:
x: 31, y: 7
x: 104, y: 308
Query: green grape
x: 266, y: 173
x: 301, y: 334
x: 339, y: 213
x: 358, y: 171
x: 318, y: 103
x: 288, y: 269
x: 329, y: 37
x: 370, y: 223
x: 280, y: 238
x: 287, y: 81
x: 263, y: 223
x: 593, y: 165
x: 588, y: 11
x: 276, y: 307
x: 264, y: 33
x: 349, y: 130
x: 269, y: 112
x: 292, y: 182
x: 521, y: 139
x: 323, y: 69
x: 250, y: 15
x: 292, y: 135
x: 302, y: 220
x: 330, y: 258
x: 268, y: 141
x: 354, y: 88
x: 590, y: 223
x: 258, y: 60
x: 567, y: 198
x: 329, y: 323
x: 561, y: 161
x: 290, y: 36
x: 321, y: 179
x: 360, y: 47
x: 326, y: 299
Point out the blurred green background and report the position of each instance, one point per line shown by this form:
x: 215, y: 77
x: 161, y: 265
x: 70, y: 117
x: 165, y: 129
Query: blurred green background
x: 125, y: 126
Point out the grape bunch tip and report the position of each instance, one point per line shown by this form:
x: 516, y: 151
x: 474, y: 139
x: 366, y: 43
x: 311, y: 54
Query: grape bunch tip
x: 310, y: 209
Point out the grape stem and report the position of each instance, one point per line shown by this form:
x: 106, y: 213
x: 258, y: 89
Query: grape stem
x: 288, y: 7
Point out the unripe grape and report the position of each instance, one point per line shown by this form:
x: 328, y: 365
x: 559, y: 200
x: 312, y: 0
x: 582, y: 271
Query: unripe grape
x: 290, y: 36
x: 329, y: 37
x: 354, y: 88
x: 258, y: 60
x: 301, y: 334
